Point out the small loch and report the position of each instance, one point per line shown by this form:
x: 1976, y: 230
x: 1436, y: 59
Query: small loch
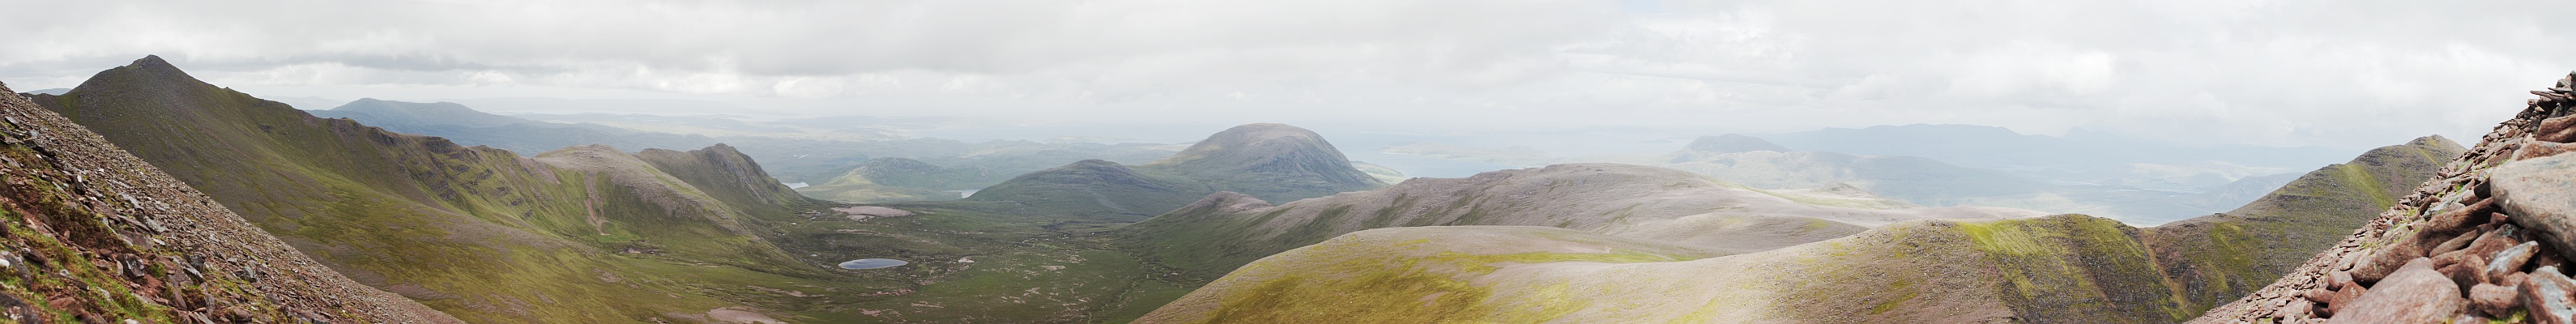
x: 872, y: 263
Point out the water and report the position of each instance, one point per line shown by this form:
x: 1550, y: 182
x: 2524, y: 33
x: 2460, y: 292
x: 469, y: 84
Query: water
x: 967, y: 192
x: 794, y: 185
x: 872, y: 263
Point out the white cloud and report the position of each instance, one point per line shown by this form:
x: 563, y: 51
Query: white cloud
x: 2266, y: 72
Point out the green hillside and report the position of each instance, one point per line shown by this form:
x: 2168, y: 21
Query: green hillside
x: 1268, y: 161
x: 584, y: 235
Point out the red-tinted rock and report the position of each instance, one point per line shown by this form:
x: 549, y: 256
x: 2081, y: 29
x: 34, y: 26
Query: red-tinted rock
x: 2545, y: 296
x: 2493, y: 299
x: 2538, y: 195
x: 2415, y: 293
x: 2454, y: 244
x: 2387, y: 259
x: 2510, y: 260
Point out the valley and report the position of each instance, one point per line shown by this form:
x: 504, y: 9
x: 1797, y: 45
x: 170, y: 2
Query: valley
x: 1259, y: 222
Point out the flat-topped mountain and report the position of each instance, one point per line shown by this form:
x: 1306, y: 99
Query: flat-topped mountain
x: 99, y: 235
x: 1267, y: 161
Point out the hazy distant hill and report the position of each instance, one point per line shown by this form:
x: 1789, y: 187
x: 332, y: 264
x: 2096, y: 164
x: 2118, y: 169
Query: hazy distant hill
x: 1226, y: 230
x: 476, y: 232
x: 814, y: 161
x: 2066, y: 268
x: 1268, y: 161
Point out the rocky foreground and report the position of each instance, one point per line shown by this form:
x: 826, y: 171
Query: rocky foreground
x: 2487, y: 241
x: 91, y: 234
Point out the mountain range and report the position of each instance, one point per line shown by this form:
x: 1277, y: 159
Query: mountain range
x: 1267, y: 161
x: 2062, y: 268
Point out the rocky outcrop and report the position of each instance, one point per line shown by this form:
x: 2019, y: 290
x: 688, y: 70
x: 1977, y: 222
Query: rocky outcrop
x: 95, y: 235
x: 2487, y: 240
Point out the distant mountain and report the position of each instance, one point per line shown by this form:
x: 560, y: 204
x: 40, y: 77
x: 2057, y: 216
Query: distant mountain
x: 480, y: 233
x: 899, y: 179
x: 790, y: 159
x: 100, y: 235
x: 2064, y: 268
x: 54, y: 91
x: 465, y: 125
x: 1225, y: 230
x: 1988, y: 146
x: 1267, y: 161
x: 1755, y: 162
x: 1732, y: 143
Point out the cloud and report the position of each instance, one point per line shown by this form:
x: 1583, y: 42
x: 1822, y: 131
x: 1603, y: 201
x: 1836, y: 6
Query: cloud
x: 2281, y: 72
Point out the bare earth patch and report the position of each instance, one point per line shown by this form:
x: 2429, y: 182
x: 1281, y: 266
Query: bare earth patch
x: 738, y: 314
x: 860, y: 213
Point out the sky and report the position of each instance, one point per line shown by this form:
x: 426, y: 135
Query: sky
x: 2259, y: 72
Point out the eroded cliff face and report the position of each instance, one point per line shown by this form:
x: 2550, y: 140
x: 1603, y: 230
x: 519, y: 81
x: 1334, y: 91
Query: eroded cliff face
x: 2485, y: 240
x: 91, y: 234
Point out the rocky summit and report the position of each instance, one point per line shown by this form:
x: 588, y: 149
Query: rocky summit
x: 2487, y: 241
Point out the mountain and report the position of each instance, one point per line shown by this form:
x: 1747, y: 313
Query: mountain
x: 2484, y: 241
x: 1266, y: 161
x: 1227, y: 229
x: 2293, y: 222
x: 901, y: 179
x: 1989, y: 146
x: 90, y: 221
x: 585, y: 234
x: 1732, y: 143
x: 790, y: 157
x: 52, y: 91
x: 464, y: 125
x: 2063, y: 268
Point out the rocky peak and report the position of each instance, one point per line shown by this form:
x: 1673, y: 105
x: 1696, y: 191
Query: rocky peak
x: 1733, y: 143
x: 2488, y: 239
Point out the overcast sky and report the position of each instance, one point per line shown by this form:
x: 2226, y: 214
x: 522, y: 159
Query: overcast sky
x: 2338, y: 73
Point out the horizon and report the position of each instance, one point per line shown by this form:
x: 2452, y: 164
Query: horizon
x: 2357, y: 76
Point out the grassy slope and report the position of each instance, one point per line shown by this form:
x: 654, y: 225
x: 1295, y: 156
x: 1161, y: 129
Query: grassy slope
x: 2225, y: 256
x: 2067, y: 268
x: 2055, y: 269
x: 480, y: 233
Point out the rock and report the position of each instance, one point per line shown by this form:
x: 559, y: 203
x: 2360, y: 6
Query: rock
x: 2493, y: 299
x: 2464, y: 274
x: 2510, y: 260
x: 2556, y: 129
x: 2453, y: 221
x: 2414, y: 293
x: 2537, y: 193
x: 2343, y: 296
x: 2454, y: 244
x: 2492, y: 242
x: 2545, y: 297
x: 2386, y: 261
x: 2536, y: 149
x: 2297, y: 307
x: 2339, y: 279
